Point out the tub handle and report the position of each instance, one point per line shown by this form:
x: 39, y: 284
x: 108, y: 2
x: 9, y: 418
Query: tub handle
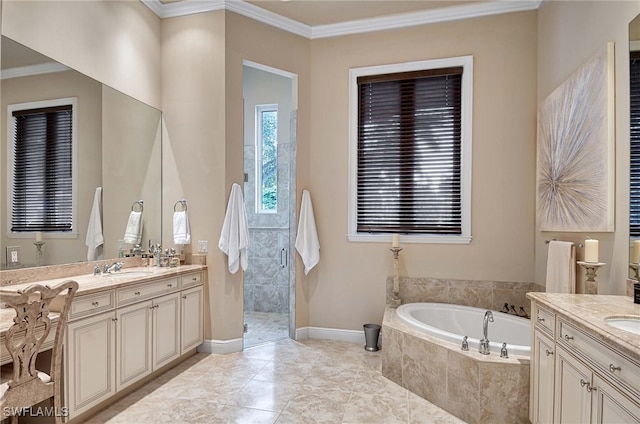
x: 465, y: 344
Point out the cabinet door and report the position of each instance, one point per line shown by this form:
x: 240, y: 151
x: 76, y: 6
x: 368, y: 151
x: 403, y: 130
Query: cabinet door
x: 572, y: 389
x: 134, y: 343
x: 543, y: 375
x: 90, y: 351
x: 166, y: 329
x: 610, y: 406
x: 192, y: 319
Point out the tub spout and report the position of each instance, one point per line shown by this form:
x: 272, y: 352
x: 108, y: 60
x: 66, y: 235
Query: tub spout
x: 484, y: 343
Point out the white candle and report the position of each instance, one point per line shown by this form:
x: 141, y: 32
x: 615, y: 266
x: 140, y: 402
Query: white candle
x: 636, y: 251
x: 396, y: 241
x: 591, y: 251
x: 38, y: 236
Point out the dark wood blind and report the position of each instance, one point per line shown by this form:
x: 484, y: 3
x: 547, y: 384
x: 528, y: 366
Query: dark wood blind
x: 634, y: 215
x: 42, y: 168
x: 409, y: 150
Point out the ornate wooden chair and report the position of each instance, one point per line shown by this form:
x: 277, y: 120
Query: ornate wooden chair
x: 25, y: 386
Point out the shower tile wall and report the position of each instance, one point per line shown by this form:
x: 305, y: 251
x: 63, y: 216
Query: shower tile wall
x: 266, y: 282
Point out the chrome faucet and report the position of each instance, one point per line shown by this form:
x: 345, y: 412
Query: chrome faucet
x: 484, y: 343
x: 116, y: 266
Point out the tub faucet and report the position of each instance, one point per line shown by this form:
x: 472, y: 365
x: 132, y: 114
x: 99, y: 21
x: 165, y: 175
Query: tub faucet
x: 484, y: 343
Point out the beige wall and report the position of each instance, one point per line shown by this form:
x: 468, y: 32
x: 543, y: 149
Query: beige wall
x: 114, y: 42
x: 561, y: 50
x: 347, y: 288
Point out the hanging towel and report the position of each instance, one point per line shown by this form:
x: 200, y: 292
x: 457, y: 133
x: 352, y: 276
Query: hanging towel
x: 95, y: 239
x: 234, y: 238
x: 181, y: 231
x: 561, y: 267
x: 307, y: 243
x: 133, y: 232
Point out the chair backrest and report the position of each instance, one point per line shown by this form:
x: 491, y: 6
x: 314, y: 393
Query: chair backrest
x: 30, y: 329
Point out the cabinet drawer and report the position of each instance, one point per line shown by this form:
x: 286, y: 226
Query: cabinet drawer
x: 607, y: 362
x: 545, y: 320
x: 127, y: 295
x: 191, y: 279
x: 83, y: 306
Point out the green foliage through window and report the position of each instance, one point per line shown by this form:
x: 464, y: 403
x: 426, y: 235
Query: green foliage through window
x: 268, y: 158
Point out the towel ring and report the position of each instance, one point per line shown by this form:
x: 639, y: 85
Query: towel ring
x: 140, y: 203
x: 182, y: 202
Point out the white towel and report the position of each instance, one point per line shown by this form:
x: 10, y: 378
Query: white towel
x: 133, y: 232
x: 234, y: 238
x: 307, y: 243
x: 181, y: 231
x: 95, y: 239
x: 561, y: 267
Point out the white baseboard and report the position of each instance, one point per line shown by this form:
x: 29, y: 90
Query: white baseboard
x: 352, y: 336
x: 221, y: 347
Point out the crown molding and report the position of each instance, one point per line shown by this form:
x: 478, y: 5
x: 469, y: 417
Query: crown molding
x: 403, y: 20
x: 27, y: 71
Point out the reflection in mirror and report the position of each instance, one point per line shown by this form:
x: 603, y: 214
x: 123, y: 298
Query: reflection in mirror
x: 118, y: 148
x: 634, y: 119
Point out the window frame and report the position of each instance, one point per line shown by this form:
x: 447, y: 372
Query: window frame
x: 11, y: 126
x: 466, y: 62
x: 271, y: 107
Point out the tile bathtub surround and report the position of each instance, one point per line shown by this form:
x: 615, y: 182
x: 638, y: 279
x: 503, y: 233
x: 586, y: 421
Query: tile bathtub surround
x: 480, y: 294
x: 283, y: 382
x: 475, y: 388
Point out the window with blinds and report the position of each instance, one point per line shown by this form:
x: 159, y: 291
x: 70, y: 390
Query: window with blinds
x: 634, y: 212
x: 42, y: 180
x: 409, y: 152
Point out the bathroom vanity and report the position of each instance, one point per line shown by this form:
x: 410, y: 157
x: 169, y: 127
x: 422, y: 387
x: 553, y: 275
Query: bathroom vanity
x: 124, y: 328
x: 583, y: 368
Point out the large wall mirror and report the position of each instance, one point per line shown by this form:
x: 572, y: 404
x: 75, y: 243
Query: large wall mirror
x: 118, y: 148
x: 634, y: 91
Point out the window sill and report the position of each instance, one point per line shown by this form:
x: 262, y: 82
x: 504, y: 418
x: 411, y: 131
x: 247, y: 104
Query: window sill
x: 408, y: 239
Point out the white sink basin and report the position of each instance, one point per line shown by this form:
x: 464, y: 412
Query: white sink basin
x: 626, y: 323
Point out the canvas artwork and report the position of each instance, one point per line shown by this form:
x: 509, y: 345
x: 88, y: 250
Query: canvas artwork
x: 575, y: 157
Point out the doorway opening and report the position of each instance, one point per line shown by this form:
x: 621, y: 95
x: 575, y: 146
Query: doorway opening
x: 270, y: 108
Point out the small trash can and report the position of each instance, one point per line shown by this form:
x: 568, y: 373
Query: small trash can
x: 371, y: 335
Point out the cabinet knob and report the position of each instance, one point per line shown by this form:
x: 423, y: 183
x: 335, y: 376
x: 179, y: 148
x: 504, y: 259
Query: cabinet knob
x: 184, y: 296
x: 137, y: 293
x: 548, y: 352
x: 540, y: 319
x: 170, y: 285
x: 587, y: 385
x: 95, y: 304
x: 114, y: 319
x: 568, y: 337
x: 613, y: 368
x: 194, y: 279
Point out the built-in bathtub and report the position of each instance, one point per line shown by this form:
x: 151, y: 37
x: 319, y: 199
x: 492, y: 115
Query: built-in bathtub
x: 453, y: 322
x: 421, y: 350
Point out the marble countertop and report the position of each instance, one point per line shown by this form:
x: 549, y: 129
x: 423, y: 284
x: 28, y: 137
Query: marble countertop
x: 589, y: 312
x: 89, y: 283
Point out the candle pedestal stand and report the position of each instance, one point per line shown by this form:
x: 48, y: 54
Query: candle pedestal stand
x: 636, y: 270
x: 591, y: 269
x: 39, y: 245
x: 395, y: 298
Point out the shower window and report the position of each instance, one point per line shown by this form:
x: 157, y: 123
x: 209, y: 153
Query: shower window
x: 267, y: 158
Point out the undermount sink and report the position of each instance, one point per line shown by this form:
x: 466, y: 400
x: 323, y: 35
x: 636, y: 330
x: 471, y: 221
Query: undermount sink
x: 626, y: 323
x: 128, y: 274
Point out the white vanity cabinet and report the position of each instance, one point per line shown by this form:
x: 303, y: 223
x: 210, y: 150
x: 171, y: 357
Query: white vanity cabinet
x: 90, y: 361
x: 577, y: 376
x: 117, y: 337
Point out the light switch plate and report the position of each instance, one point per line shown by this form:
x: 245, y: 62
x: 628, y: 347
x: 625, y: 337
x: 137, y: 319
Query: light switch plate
x: 13, y: 256
x: 203, y: 246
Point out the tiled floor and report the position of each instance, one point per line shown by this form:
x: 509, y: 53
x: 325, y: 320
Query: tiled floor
x: 314, y: 381
x: 265, y: 327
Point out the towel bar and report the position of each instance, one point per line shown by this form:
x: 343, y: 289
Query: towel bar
x: 580, y: 245
x: 139, y: 203
x: 182, y: 202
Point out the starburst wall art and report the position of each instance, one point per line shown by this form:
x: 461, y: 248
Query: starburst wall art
x: 575, y: 157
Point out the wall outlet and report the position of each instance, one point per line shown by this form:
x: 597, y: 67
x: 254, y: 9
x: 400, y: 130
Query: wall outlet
x: 203, y: 246
x: 13, y: 256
